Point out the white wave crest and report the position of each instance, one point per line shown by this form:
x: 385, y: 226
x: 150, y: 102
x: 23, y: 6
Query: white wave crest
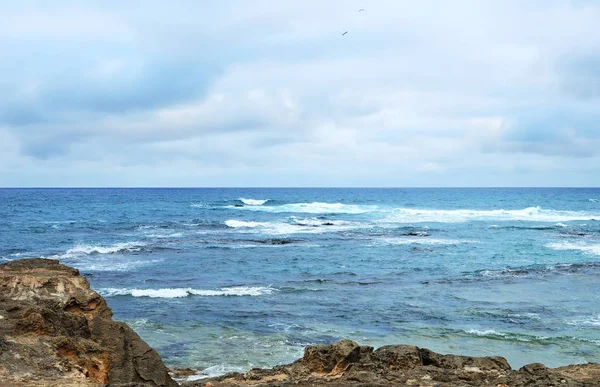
x: 594, y: 200
x: 486, y: 332
x: 308, y: 226
x: 83, y: 249
x: 314, y: 208
x: 253, y: 202
x: 185, y: 292
x: 589, y: 321
x: 580, y: 246
x: 422, y: 241
x: 242, y: 224
x: 214, y: 371
x: 529, y: 214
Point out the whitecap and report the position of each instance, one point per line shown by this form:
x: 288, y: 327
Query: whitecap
x: 84, y: 249
x: 422, y: 241
x: 168, y: 235
x: 253, y: 202
x: 314, y: 208
x: 112, y: 265
x: 296, y: 227
x: 529, y: 214
x: 214, y: 371
x: 594, y: 200
x: 242, y: 224
x: 580, y: 246
x: 586, y: 321
x: 252, y: 291
x: 486, y: 332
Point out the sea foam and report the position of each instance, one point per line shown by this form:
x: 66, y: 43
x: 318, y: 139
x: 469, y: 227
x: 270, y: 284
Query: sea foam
x: 529, y: 214
x: 297, y: 226
x: 314, y: 208
x: 580, y: 246
x: 85, y: 249
x: 185, y: 292
x: 253, y: 202
x: 422, y: 241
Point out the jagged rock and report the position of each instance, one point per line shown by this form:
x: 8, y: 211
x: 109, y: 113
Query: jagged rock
x: 55, y: 330
x: 348, y: 364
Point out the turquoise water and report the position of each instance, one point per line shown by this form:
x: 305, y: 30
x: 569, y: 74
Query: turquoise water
x: 228, y: 279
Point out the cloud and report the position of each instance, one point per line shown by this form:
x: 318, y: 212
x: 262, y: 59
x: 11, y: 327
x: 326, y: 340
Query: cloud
x: 233, y: 93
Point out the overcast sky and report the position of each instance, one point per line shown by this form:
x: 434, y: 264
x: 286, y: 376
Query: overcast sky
x: 270, y: 93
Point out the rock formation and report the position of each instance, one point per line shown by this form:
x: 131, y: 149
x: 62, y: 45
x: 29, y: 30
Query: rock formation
x: 348, y: 364
x: 56, y: 331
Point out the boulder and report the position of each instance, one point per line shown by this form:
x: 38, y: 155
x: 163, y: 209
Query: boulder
x: 55, y: 330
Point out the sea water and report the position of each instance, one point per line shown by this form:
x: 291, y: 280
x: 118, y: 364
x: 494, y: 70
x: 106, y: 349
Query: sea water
x: 229, y: 279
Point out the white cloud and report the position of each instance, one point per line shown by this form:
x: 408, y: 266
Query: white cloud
x: 197, y: 94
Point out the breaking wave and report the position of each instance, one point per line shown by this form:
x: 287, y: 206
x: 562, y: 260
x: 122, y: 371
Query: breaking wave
x: 253, y: 202
x: 522, y: 337
x: 295, y: 226
x: 529, y: 214
x: 185, y: 292
x: 580, y: 246
x: 314, y: 208
x: 92, y: 249
x: 421, y: 241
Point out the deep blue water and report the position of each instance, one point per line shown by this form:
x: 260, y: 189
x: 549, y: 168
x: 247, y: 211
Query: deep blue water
x: 212, y: 281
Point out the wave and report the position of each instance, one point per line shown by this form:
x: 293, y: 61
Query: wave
x: 594, y: 200
x: 185, y: 292
x: 524, y: 337
x: 314, y: 208
x: 83, y: 249
x: 242, y: 224
x: 421, y: 241
x: 295, y: 227
x: 529, y: 214
x: 580, y: 246
x: 528, y: 271
x: 213, y: 371
x: 112, y: 265
x: 588, y: 321
x: 253, y: 202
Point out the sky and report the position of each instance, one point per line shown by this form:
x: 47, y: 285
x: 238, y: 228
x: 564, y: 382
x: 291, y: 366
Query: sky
x: 270, y: 93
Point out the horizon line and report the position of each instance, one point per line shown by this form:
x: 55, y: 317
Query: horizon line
x: 297, y: 187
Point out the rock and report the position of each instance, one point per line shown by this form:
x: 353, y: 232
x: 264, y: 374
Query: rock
x: 55, y: 330
x: 347, y: 364
x: 332, y: 359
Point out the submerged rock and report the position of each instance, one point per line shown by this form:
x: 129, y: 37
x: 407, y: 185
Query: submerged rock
x: 348, y: 364
x: 55, y: 330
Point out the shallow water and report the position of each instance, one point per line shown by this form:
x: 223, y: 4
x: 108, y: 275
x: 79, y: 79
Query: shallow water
x: 228, y: 279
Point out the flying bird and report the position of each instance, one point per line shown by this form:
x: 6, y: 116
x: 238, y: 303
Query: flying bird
x: 361, y: 10
x: 344, y: 33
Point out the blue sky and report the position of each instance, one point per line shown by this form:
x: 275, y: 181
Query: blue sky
x: 262, y: 93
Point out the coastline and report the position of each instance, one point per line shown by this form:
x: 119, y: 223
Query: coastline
x: 57, y: 331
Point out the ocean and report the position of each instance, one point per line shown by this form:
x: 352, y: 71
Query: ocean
x: 226, y: 279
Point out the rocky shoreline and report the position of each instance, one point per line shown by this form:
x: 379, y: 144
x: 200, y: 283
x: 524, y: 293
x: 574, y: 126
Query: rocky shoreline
x: 56, y: 331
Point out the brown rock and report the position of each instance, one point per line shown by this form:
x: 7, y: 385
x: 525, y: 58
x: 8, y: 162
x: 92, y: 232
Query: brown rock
x: 347, y: 364
x: 55, y: 330
x: 331, y: 358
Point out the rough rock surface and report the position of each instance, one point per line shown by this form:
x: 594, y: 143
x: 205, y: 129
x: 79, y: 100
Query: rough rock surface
x: 56, y: 331
x: 348, y: 364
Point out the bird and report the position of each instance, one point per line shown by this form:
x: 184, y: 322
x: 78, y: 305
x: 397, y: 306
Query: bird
x: 344, y: 33
x: 361, y: 10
